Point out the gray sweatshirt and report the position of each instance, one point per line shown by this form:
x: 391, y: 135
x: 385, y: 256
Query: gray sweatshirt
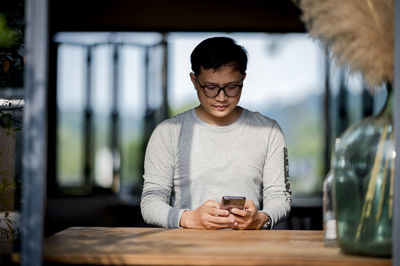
x: 189, y: 161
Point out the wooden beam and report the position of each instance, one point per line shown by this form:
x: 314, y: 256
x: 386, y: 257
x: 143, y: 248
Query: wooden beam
x: 175, y: 15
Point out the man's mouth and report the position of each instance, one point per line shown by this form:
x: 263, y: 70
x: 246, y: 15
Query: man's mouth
x: 220, y: 107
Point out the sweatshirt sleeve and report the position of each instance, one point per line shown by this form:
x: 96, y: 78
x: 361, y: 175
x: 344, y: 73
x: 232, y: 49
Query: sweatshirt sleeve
x: 158, y: 179
x: 276, y: 185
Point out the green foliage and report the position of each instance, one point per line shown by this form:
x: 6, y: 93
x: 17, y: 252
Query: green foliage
x: 301, y: 124
x: 183, y: 108
x: 8, y: 122
x: 70, y: 151
x: 8, y: 36
x: 10, y: 231
x: 12, y: 26
x: 132, y: 158
x: 5, y: 188
x: 70, y: 147
x: 7, y: 224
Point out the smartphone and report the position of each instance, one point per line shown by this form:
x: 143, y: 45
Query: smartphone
x: 230, y: 202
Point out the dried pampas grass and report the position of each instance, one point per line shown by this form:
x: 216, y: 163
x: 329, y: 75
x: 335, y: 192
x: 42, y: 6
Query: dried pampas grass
x: 359, y: 33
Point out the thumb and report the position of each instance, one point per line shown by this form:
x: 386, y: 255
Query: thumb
x: 249, y: 204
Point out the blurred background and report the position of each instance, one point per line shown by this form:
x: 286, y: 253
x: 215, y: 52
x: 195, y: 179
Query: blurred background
x: 118, y: 68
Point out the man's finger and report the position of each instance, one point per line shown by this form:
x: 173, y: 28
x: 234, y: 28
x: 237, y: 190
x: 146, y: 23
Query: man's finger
x: 221, y: 220
x: 219, y: 212
x: 211, y: 225
x: 240, y: 212
x: 212, y: 203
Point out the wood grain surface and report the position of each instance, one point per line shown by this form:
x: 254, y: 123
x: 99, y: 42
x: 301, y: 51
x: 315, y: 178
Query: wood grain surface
x: 156, y: 246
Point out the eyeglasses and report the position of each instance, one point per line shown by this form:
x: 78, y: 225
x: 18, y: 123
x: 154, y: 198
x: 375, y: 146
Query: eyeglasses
x: 212, y: 91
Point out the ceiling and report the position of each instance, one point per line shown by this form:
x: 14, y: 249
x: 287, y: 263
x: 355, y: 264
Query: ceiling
x: 175, y: 15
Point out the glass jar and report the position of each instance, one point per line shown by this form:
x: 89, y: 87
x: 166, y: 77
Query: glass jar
x: 364, y: 175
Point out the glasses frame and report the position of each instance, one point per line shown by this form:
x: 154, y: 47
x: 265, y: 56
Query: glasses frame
x: 219, y: 89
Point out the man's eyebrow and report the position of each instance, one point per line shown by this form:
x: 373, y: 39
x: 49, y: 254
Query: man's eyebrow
x: 228, y: 83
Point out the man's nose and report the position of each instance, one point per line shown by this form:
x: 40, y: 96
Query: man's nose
x: 221, y: 96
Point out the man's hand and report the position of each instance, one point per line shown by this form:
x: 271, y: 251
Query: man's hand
x: 249, y: 218
x: 207, y: 216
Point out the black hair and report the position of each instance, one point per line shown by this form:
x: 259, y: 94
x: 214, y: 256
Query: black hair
x: 214, y: 53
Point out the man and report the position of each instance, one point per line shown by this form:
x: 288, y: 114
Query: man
x: 216, y: 149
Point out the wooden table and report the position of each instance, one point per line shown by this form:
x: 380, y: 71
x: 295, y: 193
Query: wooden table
x: 156, y: 246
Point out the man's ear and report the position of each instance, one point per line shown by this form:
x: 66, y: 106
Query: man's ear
x: 244, y: 75
x: 193, y: 79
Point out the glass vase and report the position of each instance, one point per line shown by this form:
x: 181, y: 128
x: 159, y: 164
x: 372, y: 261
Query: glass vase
x: 329, y: 218
x: 364, y: 175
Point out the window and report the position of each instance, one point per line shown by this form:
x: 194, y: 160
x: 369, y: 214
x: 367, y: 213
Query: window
x: 109, y: 97
x: 285, y: 81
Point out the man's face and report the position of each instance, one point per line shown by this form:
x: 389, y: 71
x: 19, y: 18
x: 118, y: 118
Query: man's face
x: 220, y: 110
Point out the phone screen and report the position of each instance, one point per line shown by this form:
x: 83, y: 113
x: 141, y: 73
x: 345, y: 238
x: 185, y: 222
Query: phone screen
x: 230, y: 202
